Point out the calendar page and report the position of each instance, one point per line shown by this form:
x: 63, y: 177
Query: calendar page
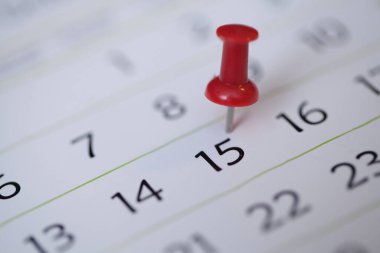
x: 108, y: 143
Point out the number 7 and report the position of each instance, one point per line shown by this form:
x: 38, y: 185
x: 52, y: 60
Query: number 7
x: 86, y: 136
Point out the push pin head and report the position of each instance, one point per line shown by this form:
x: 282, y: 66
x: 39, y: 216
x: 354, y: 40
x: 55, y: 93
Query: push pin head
x: 232, y: 87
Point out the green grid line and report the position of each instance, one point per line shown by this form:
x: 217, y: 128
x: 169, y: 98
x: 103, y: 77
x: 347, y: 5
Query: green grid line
x: 320, y: 232
x: 317, y: 72
x: 115, y: 98
x: 30, y: 210
x: 199, y: 205
x: 189, y: 210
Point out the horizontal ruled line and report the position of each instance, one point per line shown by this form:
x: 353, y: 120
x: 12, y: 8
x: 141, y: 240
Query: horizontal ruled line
x: 192, y: 63
x: 30, y: 210
x: 303, y: 80
x: 151, y: 229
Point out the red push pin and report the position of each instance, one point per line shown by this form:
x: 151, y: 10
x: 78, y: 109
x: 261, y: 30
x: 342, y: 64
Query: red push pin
x: 232, y: 87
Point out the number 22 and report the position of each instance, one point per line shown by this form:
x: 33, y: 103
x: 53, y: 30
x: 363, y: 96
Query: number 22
x: 270, y: 223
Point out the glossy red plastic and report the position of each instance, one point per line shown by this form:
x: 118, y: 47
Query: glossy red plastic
x: 232, y: 87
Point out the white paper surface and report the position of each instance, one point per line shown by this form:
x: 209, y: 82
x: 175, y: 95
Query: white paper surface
x: 132, y: 75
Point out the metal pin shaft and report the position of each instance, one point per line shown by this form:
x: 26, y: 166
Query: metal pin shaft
x: 230, y: 119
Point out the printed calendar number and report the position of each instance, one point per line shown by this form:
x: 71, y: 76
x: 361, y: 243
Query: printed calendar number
x: 8, y: 190
x: 89, y: 138
x: 355, y: 181
x: 198, y: 26
x: 271, y: 223
x: 141, y: 196
x: 121, y: 62
x: 368, y: 84
x: 367, y: 80
x: 313, y: 116
x: 57, y: 234
x: 325, y: 33
x: 351, y: 247
x: 197, y: 243
x: 169, y: 106
x: 221, y: 151
x: 255, y: 71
